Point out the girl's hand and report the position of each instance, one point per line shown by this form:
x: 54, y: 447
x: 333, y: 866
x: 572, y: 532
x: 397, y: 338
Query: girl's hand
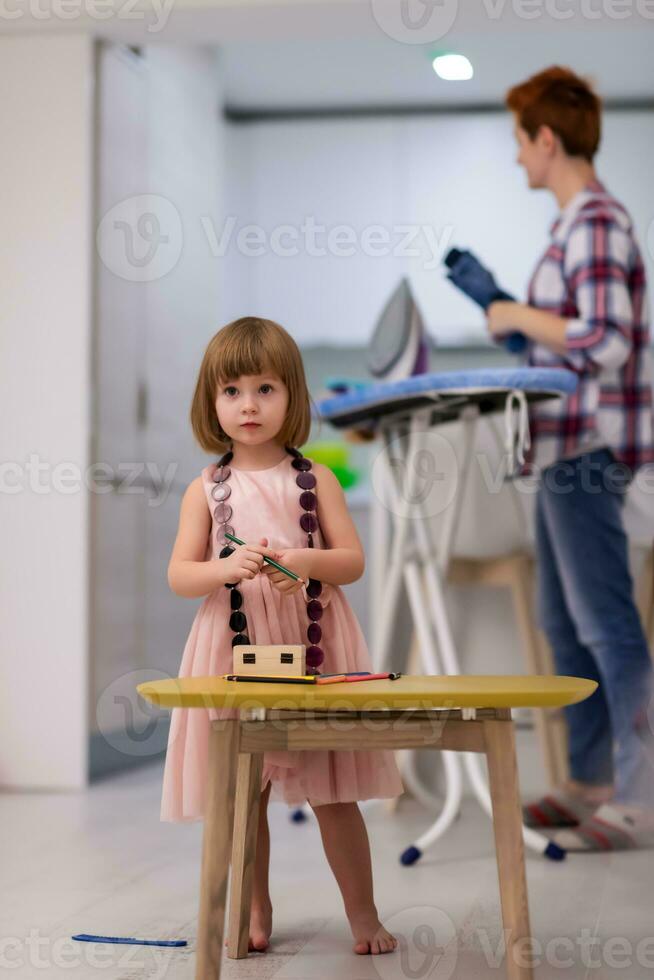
x: 503, y: 316
x: 245, y: 561
x: 297, y: 560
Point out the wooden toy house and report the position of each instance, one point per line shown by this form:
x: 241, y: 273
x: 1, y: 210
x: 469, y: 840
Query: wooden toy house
x: 262, y: 658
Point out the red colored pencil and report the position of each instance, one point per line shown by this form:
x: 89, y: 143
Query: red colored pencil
x: 344, y: 678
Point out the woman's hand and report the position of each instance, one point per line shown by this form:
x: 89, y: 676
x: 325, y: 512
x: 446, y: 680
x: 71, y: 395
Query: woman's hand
x: 538, y: 325
x: 297, y: 560
x: 503, y: 316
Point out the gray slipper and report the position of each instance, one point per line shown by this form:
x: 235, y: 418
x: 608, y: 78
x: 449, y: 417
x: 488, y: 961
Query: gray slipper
x: 610, y: 828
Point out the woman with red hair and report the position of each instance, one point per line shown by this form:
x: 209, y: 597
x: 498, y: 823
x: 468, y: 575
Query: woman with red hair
x: 587, y: 311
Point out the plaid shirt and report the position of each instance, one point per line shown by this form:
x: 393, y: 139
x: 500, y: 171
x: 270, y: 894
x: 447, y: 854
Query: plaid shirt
x: 592, y: 275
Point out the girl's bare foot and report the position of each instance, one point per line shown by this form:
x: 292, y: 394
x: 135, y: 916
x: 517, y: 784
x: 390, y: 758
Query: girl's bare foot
x: 369, y: 934
x: 260, y: 927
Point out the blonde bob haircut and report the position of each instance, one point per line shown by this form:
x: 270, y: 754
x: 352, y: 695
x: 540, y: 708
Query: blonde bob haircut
x: 250, y: 345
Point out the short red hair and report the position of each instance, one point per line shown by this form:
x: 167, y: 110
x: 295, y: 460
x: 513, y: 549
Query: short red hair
x: 558, y: 98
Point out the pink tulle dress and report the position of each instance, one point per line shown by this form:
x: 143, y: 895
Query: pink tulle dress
x: 266, y: 504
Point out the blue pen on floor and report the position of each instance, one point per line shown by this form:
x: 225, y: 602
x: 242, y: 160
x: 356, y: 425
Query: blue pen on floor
x: 85, y: 937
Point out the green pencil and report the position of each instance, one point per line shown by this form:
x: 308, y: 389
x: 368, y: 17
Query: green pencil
x: 270, y: 561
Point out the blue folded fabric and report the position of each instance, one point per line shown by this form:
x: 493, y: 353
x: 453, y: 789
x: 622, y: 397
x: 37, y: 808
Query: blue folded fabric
x: 478, y: 283
x: 340, y: 385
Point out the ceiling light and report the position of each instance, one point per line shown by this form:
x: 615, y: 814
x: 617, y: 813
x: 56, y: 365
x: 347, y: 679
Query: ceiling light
x: 452, y: 67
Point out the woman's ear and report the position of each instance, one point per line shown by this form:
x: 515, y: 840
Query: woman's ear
x: 547, y: 139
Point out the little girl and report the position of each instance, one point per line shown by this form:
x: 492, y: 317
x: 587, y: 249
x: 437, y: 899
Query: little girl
x: 251, y: 399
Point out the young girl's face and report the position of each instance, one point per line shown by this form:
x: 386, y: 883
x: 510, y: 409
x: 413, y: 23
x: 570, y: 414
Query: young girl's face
x: 251, y: 409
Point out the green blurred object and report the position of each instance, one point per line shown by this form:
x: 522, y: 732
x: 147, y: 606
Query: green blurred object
x: 336, y: 456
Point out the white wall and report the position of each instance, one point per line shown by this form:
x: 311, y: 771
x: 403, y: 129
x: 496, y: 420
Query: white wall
x: 46, y: 120
x: 456, y: 174
x: 157, y: 300
x: 184, y: 310
x: 159, y: 126
x: 184, y: 307
x: 49, y: 388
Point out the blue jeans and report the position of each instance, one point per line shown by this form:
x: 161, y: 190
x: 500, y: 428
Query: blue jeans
x: 587, y: 611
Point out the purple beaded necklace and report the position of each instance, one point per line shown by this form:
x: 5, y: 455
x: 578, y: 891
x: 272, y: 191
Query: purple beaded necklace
x: 220, y: 492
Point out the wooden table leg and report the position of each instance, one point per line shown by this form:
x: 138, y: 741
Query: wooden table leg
x: 507, y: 825
x: 246, y: 826
x: 216, y: 846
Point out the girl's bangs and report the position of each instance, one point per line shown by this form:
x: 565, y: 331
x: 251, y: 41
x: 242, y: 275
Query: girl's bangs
x: 249, y: 355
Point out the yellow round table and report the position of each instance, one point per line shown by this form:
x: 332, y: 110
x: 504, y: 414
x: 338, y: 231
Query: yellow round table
x: 455, y: 713
x: 461, y: 691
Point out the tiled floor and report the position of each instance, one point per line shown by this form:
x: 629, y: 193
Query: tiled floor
x: 101, y: 862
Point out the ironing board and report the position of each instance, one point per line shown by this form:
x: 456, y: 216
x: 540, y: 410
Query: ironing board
x: 405, y: 544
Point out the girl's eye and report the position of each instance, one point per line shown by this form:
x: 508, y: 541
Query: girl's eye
x: 228, y: 389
